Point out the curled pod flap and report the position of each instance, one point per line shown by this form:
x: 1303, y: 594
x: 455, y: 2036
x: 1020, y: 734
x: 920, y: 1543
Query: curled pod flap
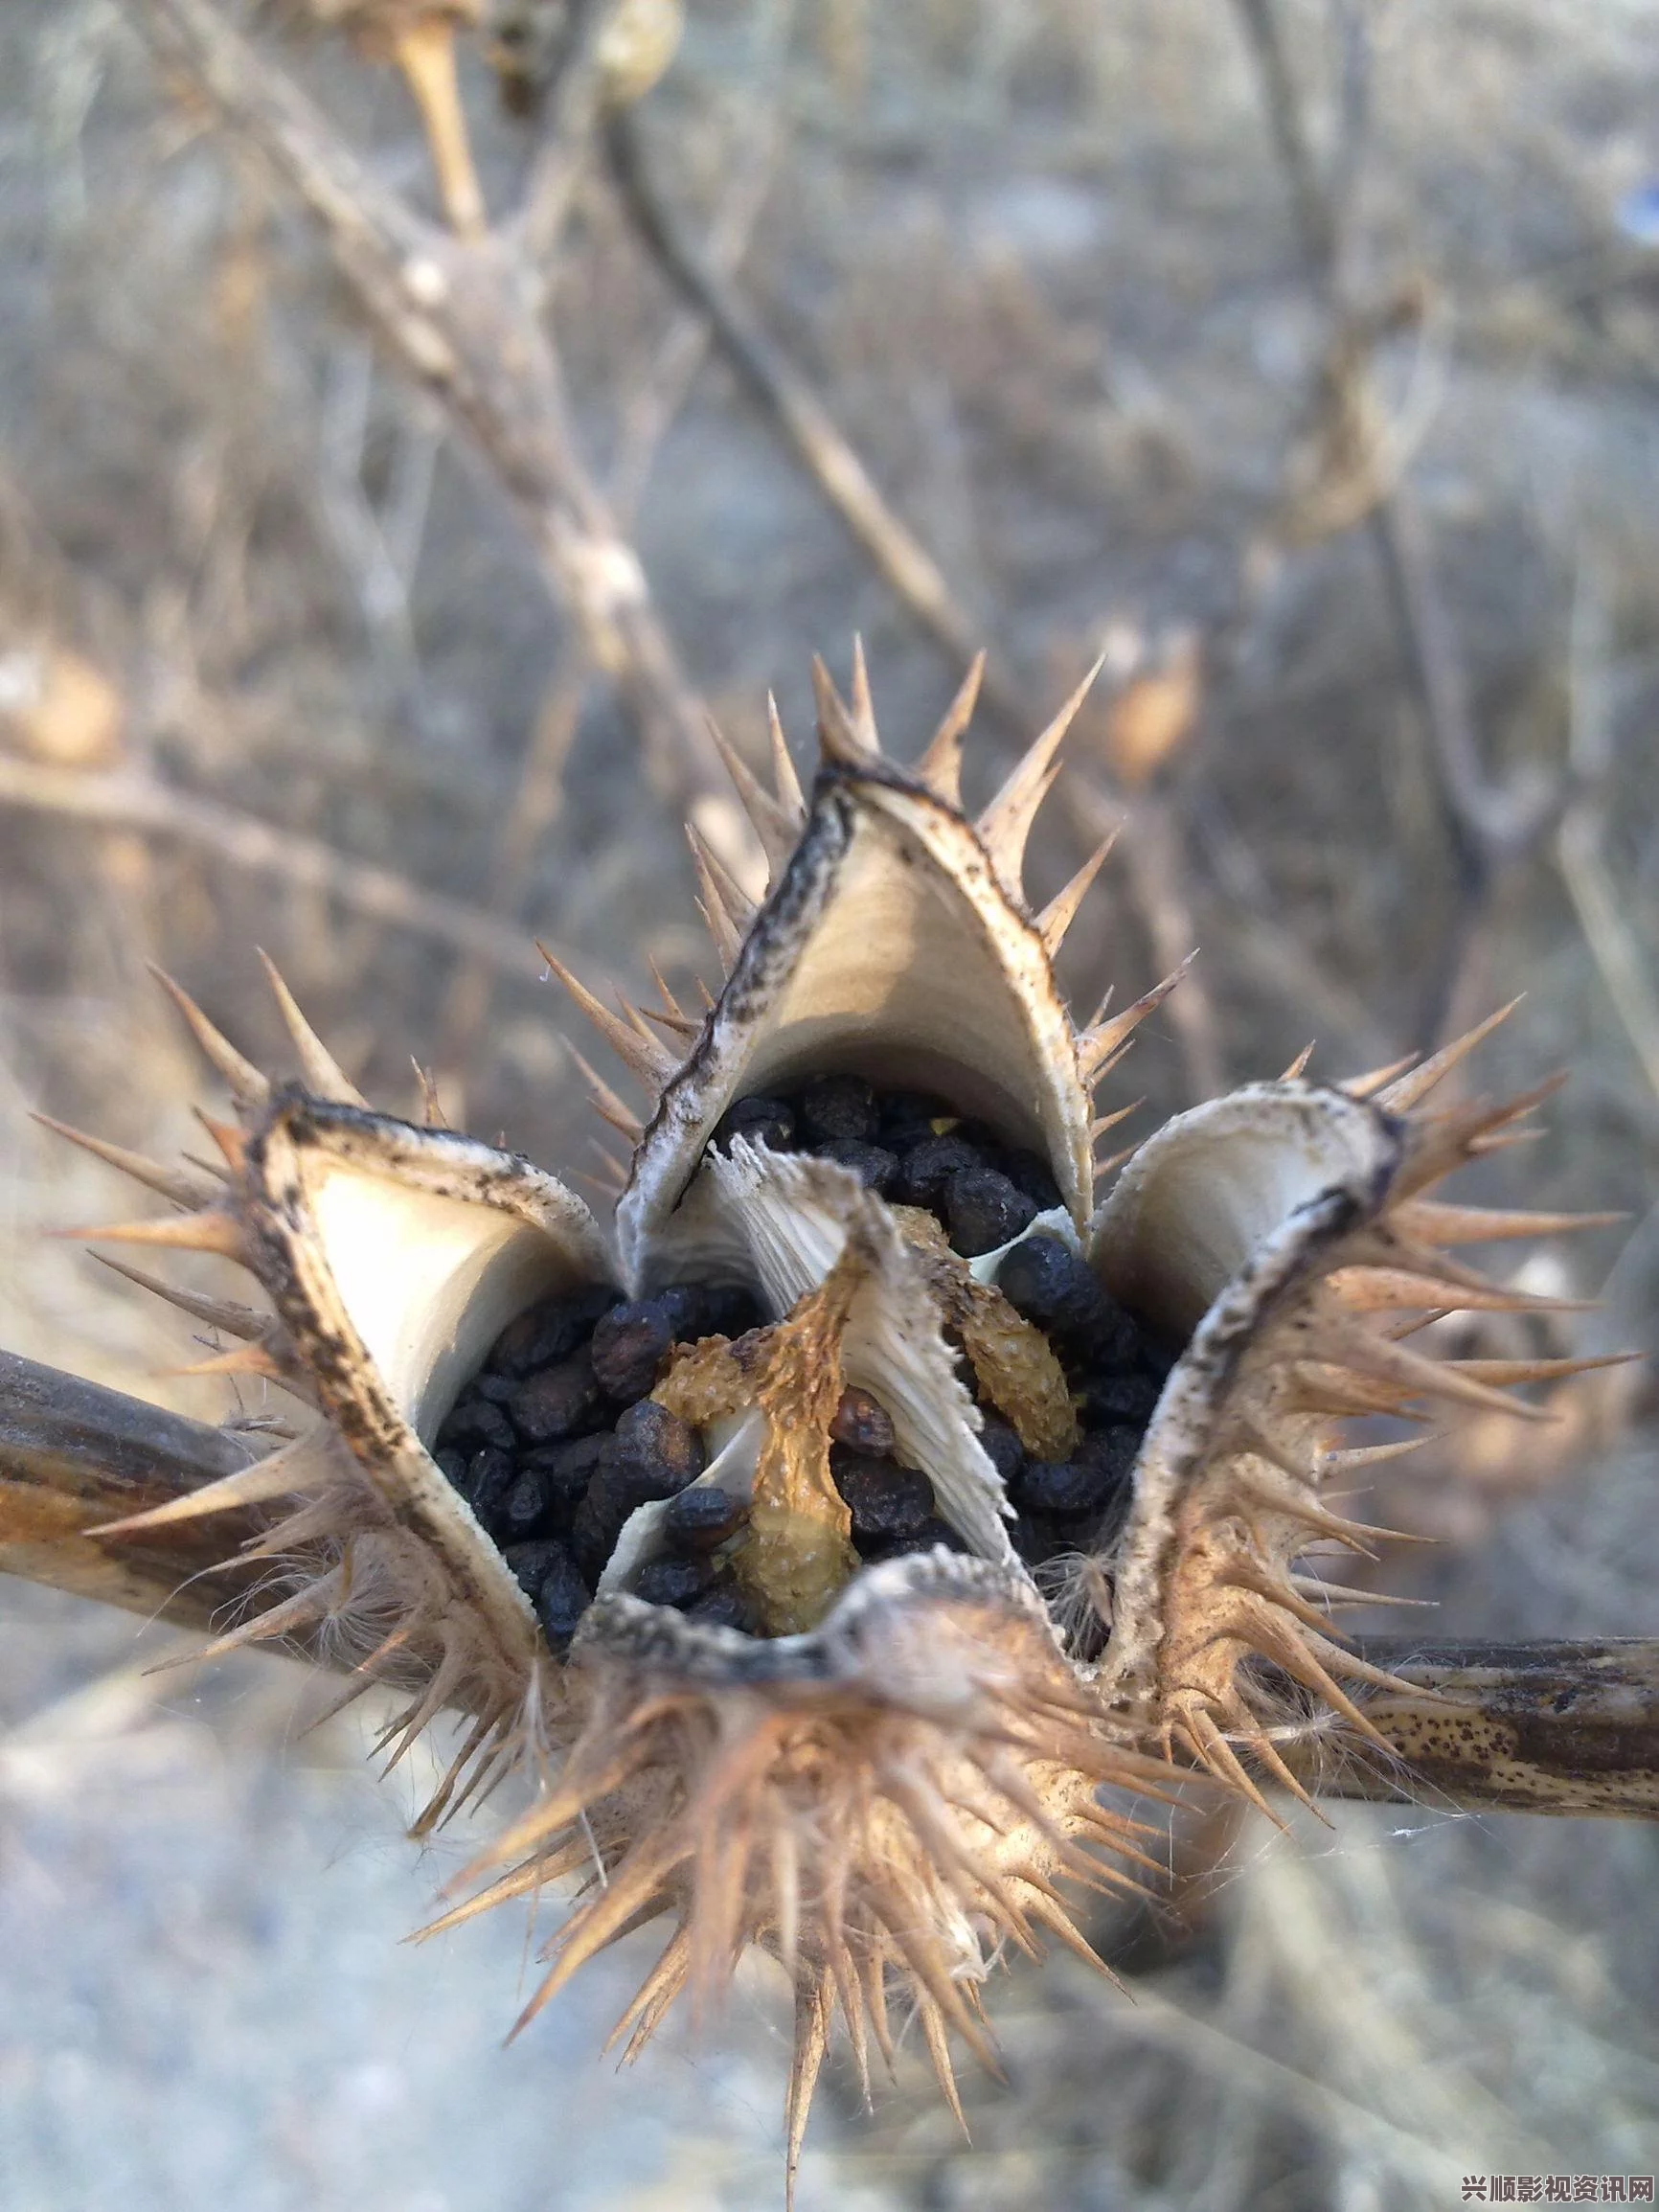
x: 1272, y: 1229
x: 888, y: 946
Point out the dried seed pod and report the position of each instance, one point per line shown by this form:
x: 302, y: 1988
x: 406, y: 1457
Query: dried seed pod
x: 876, y: 1771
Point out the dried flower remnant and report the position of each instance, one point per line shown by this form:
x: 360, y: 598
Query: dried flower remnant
x: 853, y: 1534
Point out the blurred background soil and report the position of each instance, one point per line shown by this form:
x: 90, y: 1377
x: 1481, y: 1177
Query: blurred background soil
x: 1306, y: 393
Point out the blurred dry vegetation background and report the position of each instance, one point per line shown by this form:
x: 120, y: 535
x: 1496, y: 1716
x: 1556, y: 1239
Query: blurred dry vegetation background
x: 363, y: 584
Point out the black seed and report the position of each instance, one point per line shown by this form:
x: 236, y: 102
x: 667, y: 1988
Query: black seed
x: 885, y: 1500
x: 528, y: 1510
x: 862, y: 1426
x: 631, y: 1343
x: 550, y: 1331
x: 1113, y: 1451
x: 1067, y: 1488
x: 839, y: 1105
x: 452, y: 1465
x: 567, y: 1469
x: 724, y: 1607
x: 1030, y: 1173
x: 926, y: 1539
x: 927, y: 1167
x: 908, y: 1116
x: 701, y: 1517
x: 1115, y: 1396
x: 1036, y: 1541
x: 558, y: 1402
x: 561, y: 1599
x: 1052, y: 1285
x: 1003, y: 1449
x: 474, y: 1421
x: 763, y: 1121
x: 532, y: 1563
x: 490, y: 1475
x: 494, y: 1389
x: 724, y: 1310
x: 672, y: 1580
x: 876, y: 1169
x: 598, y: 1520
x: 983, y: 1210
x: 654, y: 1452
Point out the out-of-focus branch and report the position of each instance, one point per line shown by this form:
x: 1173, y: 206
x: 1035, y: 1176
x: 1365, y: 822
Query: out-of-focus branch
x: 1491, y: 828
x: 1567, y: 1728
x: 132, y: 801
x: 1529, y: 1727
x: 788, y: 402
x: 460, y: 316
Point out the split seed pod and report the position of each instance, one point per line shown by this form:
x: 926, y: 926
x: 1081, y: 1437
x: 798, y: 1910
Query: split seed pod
x: 878, y: 1769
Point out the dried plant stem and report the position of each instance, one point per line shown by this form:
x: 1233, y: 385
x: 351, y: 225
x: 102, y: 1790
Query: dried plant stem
x: 1533, y: 1728
x: 1568, y: 1728
x: 135, y: 802
x: 461, y: 316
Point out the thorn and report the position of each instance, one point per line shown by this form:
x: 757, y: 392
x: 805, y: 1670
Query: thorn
x: 1503, y: 1372
x: 232, y: 1144
x: 838, y: 737
x: 727, y: 936
x: 184, y: 1190
x: 775, y: 826
x: 606, y: 1102
x: 1060, y: 912
x: 1430, y: 1221
x: 226, y: 1314
x: 1298, y: 1067
x: 208, y: 1231
x: 740, y: 908
x: 324, y: 1076
x: 273, y: 1477
x: 1096, y: 1045
x: 645, y: 1058
x: 432, y: 1114
x: 672, y: 1015
x: 1006, y: 823
x: 863, y: 706
x: 1098, y: 1129
x: 940, y: 766
x: 1408, y: 1089
x: 1367, y: 1085
x: 790, y: 796
x: 247, y: 1086
x: 240, y: 1360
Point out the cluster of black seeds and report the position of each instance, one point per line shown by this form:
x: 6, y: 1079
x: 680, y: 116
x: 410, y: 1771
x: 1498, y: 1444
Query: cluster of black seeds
x: 1115, y: 1371
x: 556, y: 1442
x: 915, y: 1150
x: 912, y: 1150
x: 892, y: 1507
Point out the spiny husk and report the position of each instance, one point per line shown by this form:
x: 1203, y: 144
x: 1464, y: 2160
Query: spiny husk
x: 902, y: 1786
